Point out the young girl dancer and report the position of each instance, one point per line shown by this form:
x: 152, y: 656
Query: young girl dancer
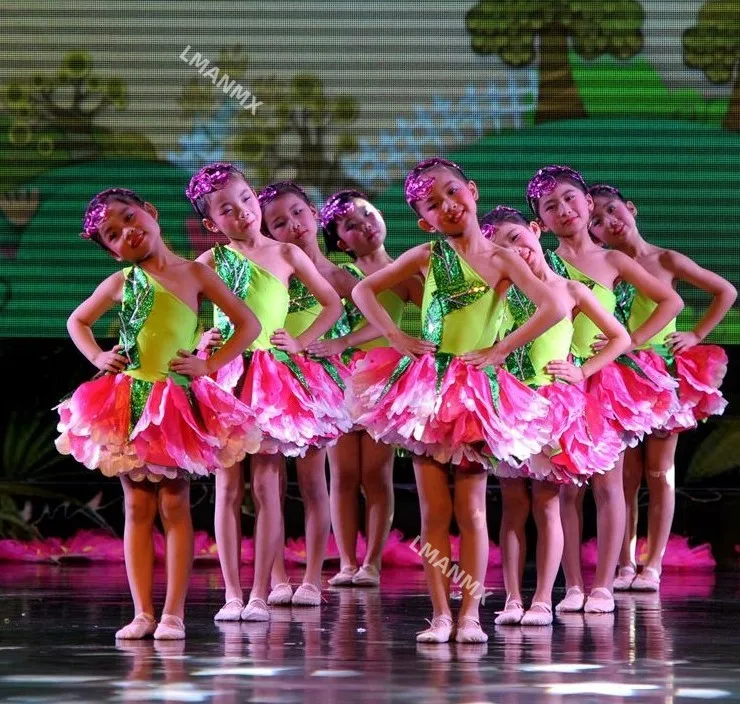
x: 354, y: 226
x: 452, y: 406
x: 295, y: 401
x: 289, y: 216
x: 583, y: 442
x: 635, y: 400
x: 698, y: 368
x: 142, y: 419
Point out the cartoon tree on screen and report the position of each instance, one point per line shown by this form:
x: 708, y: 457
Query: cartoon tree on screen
x: 713, y: 45
x: 517, y: 30
x: 298, y: 132
x: 60, y: 111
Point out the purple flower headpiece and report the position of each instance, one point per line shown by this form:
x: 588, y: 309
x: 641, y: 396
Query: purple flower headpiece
x: 269, y: 193
x: 416, y: 186
x: 336, y: 207
x: 499, y: 215
x: 209, y: 178
x: 97, y: 209
x: 546, y: 181
x: 488, y: 230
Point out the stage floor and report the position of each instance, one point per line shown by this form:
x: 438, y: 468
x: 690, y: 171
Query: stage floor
x: 57, y: 625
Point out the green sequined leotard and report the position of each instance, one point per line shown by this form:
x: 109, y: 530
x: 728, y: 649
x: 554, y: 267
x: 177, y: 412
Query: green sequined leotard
x: 155, y: 324
x: 390, y: 300
x: 585, y: 331
x: 527, y: 363
x: 634, y: 308
x: 460, y: 312
x: 264, y: 294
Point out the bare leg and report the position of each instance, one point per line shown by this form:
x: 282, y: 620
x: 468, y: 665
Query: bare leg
x: 377, y: 481
x: 546, y: 510
x: 228, y: 526
x: 571, y: 517
x: 315, y: 493
x: 470, y: 515
x: 344, y: 467
x: 266, y: 491
x: 279, y: 575
x: 610, y: 515
x: 436, y: 513
x: 633, y: 467
x: 140, y: 502
x: 515, y: 509
x: 174, y: 510
x: 661, y: 481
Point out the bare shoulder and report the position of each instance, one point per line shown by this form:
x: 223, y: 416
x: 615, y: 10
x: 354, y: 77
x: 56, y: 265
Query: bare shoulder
x: 199, y: 271
x: 423, y: 249
x: 290, y: 252
x: 206, y: 258
x: 670, y: 258
x: 616, y: 258
x: 419, y: 254
x: 112, y: 286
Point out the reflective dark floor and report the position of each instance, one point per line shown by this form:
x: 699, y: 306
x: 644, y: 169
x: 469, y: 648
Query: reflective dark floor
x: 57, y: 625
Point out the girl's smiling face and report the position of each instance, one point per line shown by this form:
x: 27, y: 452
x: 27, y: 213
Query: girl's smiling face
x: 525, y: 241
x: 234, y: 210
x: 288, y: 218
x: 566, y: 210
x: 128, y: 231
x: 450, y: 205
x: 362, y: 230
x: 612, y: 220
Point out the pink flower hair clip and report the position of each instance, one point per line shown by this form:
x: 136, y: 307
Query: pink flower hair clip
x: 208, y: 179
x: 335, y: 208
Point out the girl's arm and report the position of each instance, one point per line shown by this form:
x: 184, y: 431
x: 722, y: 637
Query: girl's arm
x: 549, y: 311
x: 80, y: 323
x: 365, y: 292
x: 669, y: 302
x: 723, y: 296
x: 617, y: 338
x: 318, y: 286
x: 207, y: 259
x: 414, y: 292
x: 246, y: 326
x: 327, y: 348
x: 342, y: 281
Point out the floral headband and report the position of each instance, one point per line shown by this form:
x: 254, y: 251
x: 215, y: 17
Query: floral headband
x: 417, y: 187
x: 546, y: 181
x: 337, y: 206
x: 488, y: 230
x: 498, y: 215
x: 97, y: 209
x: 209, y: 178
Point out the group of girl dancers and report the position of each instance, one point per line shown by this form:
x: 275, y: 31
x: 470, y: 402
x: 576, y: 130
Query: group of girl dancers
x: 549, y: 370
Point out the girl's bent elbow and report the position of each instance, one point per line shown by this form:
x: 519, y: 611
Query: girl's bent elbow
x: 357, y: 292
x: 678, y: 303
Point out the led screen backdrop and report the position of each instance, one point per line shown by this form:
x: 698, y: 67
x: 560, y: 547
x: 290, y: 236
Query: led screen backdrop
x: 139, y: 94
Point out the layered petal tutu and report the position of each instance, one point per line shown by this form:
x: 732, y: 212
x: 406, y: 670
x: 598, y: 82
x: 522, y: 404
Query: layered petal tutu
x: 297, y: 403
x: 635, y: 395
x: 441, y: 407
x: 180, y: 431
x: 700, y: 371
x: 582, y: 441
